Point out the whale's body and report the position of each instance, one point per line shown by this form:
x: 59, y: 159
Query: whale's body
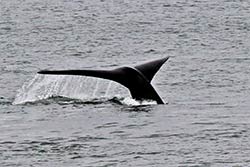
x: 137, y: 79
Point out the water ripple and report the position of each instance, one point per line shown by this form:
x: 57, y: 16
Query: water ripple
x: 66, y: 122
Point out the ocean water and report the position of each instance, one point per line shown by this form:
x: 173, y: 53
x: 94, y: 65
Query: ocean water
x: 62, y: 121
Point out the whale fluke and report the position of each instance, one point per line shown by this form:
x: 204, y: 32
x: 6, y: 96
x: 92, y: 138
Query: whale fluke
x: 150, y: 69
x: 137, y: 79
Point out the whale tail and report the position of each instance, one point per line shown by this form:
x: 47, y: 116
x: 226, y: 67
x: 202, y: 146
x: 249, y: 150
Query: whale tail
x: 137, y: 79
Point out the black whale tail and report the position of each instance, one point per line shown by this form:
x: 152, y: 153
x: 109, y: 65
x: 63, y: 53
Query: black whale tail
x: 137, y: 79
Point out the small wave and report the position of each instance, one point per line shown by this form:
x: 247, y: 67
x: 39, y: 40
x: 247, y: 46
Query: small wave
x: 92, y: 101
x: 4, y: 101
x: 54, y: 99
x: 65, y: 101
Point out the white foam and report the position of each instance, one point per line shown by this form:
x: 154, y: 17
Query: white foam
x: 132, y: 102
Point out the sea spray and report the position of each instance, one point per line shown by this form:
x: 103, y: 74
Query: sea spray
x: 76, y: 87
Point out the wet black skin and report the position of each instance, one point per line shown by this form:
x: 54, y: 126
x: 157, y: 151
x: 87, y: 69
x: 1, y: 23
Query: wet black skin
x: 137, y: 79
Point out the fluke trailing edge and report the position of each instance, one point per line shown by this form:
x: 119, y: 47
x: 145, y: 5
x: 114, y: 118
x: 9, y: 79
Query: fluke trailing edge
x: 137, y: 79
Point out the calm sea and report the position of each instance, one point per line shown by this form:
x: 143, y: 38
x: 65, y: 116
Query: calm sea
x: 80, y: 121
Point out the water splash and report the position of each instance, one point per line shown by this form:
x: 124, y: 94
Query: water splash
x: 75, y: 87
x: 132, y: 102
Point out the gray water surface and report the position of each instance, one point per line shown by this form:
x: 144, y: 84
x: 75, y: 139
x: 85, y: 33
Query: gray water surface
x: 205, y: 82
